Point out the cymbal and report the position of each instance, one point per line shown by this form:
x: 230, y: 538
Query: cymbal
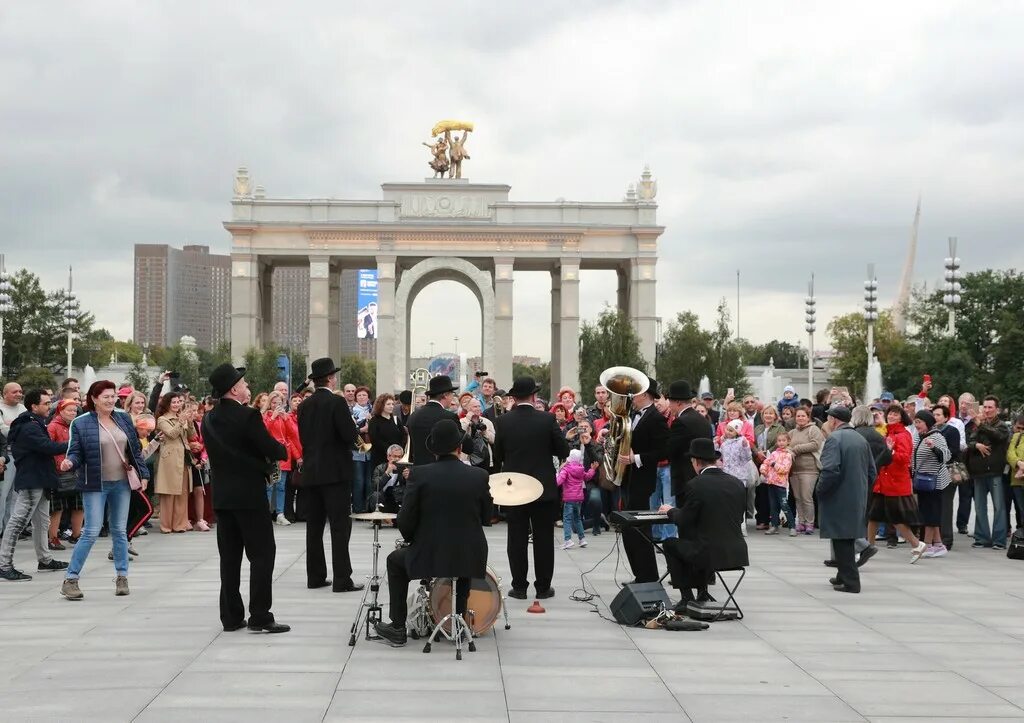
x: 515, y: 488
x: 375, y: 516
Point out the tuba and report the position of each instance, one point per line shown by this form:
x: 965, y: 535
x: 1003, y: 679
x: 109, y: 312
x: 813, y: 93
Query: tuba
x: 499, y: 406
x: 622, y: 383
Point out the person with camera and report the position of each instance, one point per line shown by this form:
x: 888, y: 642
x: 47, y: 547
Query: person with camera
x: 388, y: 481
x: 480, y: 430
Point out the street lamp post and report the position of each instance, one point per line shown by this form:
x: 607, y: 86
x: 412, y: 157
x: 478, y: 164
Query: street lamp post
x: 70, y: 317
x: 951, y: 295
x: 456, y: 346
x: 871, y: 309
x: 5, y: 307
x: 810, y: 318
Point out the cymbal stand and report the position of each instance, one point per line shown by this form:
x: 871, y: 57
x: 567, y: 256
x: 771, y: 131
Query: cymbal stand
x: 459, y: 627
x: 370, y: 606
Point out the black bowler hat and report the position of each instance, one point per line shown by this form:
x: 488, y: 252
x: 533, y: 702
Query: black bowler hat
x: 321, y: 368
x: 679, y: 391
x: 405, y: 397
x: 440, y: 385
x: 224, y: 377
x: 703, y: 449
x: 653, y: 389
x: 841, y: 413
x: 445, y: 437
x: 523, y: 387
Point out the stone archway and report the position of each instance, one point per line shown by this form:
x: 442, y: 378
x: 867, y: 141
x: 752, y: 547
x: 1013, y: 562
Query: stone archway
x: 426, y: 272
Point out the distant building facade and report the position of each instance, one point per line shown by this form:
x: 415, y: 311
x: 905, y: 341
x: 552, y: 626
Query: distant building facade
x: 181, y: 291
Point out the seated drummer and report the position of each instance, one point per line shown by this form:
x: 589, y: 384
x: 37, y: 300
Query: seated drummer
x: 445, y: 507
x: 709, y: 526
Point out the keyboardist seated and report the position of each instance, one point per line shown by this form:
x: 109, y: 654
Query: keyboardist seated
x: 709, y: 526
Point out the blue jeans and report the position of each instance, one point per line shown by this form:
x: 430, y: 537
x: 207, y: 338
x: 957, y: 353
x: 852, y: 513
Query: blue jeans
x: 572, y: 519
x: 275, y: 493
x: 983, y: 486
x: 117, y: 495
x: 663, y: 496
x: 1018, y: 501
x: 360, y: 485
x: 594, y: 507
x: 776, y: 502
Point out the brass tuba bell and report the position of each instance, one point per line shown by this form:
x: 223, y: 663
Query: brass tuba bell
x: 622, y: 383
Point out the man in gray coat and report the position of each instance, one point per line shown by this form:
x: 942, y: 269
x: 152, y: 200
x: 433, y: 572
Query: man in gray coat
x: 847, y: 468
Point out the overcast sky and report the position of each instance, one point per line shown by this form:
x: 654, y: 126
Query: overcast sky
x: 786, y: 138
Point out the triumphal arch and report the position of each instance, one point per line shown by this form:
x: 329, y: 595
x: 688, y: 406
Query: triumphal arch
x: 442, y: 228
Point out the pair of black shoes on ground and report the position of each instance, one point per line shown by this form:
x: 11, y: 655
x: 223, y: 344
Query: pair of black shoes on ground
x: 521, y: 594
x: 272, y: 627
x: 351, y: 587
x: 702, y: 597
x: 13, y: 575
x: 840, y: 586
x: 866, y: 555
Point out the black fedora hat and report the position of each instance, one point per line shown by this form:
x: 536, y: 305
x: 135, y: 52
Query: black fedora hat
x: 653, y: 389
x: 445, y: 437
x: 703, y: 449
x: 323, y: 367
x: 224, y: 377
x: 405, y: 397
x: 440, y: 385
x: 680, y: 391
x: 523, y: 387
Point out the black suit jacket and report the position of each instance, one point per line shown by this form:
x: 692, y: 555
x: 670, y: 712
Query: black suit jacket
x: 525, y: 440
x: 328, y: 436
x: 239, y: 445
x: 650, y: 441
x: 688, y: 426
x: 420, y: 423
x: 445, y: 506
x: 709, y: 521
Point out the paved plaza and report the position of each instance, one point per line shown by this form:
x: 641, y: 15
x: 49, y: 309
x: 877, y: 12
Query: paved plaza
x: 940, y: 640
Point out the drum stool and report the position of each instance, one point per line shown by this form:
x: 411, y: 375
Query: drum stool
x: 459, y: 627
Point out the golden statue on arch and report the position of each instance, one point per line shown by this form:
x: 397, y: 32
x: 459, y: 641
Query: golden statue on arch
x: 449, y: 152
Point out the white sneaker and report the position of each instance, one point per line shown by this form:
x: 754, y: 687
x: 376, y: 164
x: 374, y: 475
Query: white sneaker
x: 567, y: 544
x: 583, y: 542
x: 282, y: 520
x: 916, y: 553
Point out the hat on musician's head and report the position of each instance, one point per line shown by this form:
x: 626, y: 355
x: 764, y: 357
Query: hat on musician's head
x: 224, y: 377
x: 653, y: 389
x: 445, y: 437
x: 441, y: 384
x: 703, y: 449
x: 523, y: 387
x: 405, y: 397
x: 323, y: 367
x: 679, y: 391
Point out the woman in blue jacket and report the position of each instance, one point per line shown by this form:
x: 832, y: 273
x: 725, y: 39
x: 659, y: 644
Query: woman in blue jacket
x: 103, y: 442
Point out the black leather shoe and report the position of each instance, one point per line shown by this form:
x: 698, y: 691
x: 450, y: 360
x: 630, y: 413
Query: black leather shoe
x: 866, y: 554
x: 392, y: 633
x: 232, y: 627
x: 517, y: 594
x: 680, y: 607
x: 318, y: 585
x: 830, y: 563
x: 705, y: 597
x: 269, y: 628
x: 845, y: 588
x: 833, y: 581
x: 545, y: 594
x: 354, y: 587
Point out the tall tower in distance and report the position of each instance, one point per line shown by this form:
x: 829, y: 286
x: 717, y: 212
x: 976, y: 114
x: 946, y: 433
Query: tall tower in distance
x: 899, y: 314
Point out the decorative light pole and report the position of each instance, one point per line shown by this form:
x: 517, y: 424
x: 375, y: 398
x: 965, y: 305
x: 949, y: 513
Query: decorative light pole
x: 810, y: 317
x: 70, y: 318
x: 5, y: 307
x: 871, y: 309
x: 951, y: 295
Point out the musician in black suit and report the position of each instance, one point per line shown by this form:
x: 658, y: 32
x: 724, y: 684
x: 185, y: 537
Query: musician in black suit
x: 688, y: 426
x: 442, y: 516
x: 525, y: 440
x: 403, y: 408
x: 709, y: 522
x: 647, y: 448
x: 422, y: 421
x: 240, y: 449
x: 328, y: 435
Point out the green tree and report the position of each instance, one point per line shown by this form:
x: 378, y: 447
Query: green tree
x: 608, y: 342
x: 139, y: 378
x: 724, y: 367
x: 784, y: 354
x: 36, y: 378
x: 261, y: 368
x: 541, y: 374
x: 208, y: 361
x: 848, y: 335
x: 35, y: 331
x: 356, y: 370
x: 186, y: 363
x: 684, y: 350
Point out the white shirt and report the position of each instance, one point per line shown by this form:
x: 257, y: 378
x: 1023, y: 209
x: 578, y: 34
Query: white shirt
x: 636, y: 420
x: 8, y: 414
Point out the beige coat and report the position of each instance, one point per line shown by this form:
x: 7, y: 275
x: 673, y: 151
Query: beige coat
x: 171, y: 468
x: 806, y: 446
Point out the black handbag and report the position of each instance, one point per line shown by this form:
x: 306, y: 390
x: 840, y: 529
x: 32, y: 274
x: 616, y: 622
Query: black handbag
x: 67, y: 482
x: 1015, y: 550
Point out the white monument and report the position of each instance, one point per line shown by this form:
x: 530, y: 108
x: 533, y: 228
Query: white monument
x: 437, y: 229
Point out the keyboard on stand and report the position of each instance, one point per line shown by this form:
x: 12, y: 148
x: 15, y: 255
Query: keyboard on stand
x: 638, y: 518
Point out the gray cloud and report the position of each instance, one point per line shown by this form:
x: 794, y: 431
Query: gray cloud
x: 783, y: 143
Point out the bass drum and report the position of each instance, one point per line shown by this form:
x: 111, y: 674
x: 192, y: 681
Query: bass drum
x: 484, y: 600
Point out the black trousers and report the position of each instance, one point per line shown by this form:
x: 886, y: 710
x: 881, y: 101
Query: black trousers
x: 294, y: 498
x: 639, y: 551
x: 398, y: 588
x: 846, y: 563
x: 946, y: 528
x: 540, y: 516
x: 762, y: 506
x: 683, y: 574
x: 251, y: 532
x: 328, y: 504
x: 965, y: 495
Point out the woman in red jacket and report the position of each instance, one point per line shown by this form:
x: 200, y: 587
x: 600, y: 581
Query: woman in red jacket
x: 892, y: 499
x: 280, y: 426
x: 70, y: 500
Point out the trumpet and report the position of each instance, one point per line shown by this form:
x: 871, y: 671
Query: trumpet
x: 622, y: 383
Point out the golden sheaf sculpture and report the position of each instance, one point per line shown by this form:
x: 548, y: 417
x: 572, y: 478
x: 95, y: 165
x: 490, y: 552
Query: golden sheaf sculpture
x: 450, y: 125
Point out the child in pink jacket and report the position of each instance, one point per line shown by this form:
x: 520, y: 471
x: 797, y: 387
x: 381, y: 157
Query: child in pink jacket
x: 775, y: 470
x: 572, y: 478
